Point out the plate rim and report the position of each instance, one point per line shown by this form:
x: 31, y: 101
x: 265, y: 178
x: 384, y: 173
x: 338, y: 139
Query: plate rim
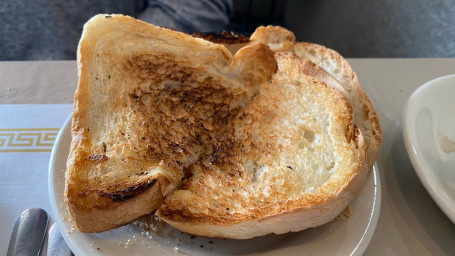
x: 420, y: 166
x: 358, y: 250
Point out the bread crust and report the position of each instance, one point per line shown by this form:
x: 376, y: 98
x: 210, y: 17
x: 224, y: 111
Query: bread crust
x: 295, y: 220
x: 276, y: 37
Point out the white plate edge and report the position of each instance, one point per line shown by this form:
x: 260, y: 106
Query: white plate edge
x: 374, y: 215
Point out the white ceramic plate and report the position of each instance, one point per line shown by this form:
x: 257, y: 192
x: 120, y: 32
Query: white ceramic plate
x: 343, y: 236
x: 429, y: 136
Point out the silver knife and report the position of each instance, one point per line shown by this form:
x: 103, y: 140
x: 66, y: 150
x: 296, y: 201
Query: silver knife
x: 56, y: 245
x: 28, y: 233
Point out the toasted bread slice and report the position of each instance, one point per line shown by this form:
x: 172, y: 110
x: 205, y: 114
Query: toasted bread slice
x: 291, y: 160
x: 148, y: 102
x: 334, y: 65
x: 328, y: 66
x: 364, y: 114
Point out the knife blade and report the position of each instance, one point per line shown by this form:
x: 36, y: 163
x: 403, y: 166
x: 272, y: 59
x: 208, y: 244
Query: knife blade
x: 28, y: 233
x: 56, y: 245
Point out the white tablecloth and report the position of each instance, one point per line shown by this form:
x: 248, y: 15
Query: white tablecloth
x: 27, y: 134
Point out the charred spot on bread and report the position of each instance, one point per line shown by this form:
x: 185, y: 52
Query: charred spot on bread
x: 128, y: 192
x: 98, y: 158
x: 224, y: 37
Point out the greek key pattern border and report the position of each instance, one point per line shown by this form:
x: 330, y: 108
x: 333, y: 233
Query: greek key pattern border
x: 27, y: 139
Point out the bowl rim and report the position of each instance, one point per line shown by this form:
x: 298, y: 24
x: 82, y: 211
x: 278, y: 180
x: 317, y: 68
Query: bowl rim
x: 421, y: 167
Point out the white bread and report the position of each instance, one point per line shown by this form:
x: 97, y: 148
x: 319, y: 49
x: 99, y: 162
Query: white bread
x: 364, y: 114
x: 291, y: 160
x: 148, y: 102
x: 336, y: 68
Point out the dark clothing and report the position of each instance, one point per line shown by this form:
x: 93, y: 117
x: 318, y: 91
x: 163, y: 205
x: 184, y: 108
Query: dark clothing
x: 51, y: 29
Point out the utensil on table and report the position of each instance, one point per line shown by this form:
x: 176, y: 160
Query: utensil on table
x: 28, y: 232
x: 56, y: 245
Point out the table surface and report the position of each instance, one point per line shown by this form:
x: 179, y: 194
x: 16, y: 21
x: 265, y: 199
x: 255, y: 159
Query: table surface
x: 410, y: 222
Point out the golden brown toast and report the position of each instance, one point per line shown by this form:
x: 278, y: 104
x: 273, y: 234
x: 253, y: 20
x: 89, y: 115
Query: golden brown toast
x: 291, y: 160
x: 148, y: 102
x: 260, y: 136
